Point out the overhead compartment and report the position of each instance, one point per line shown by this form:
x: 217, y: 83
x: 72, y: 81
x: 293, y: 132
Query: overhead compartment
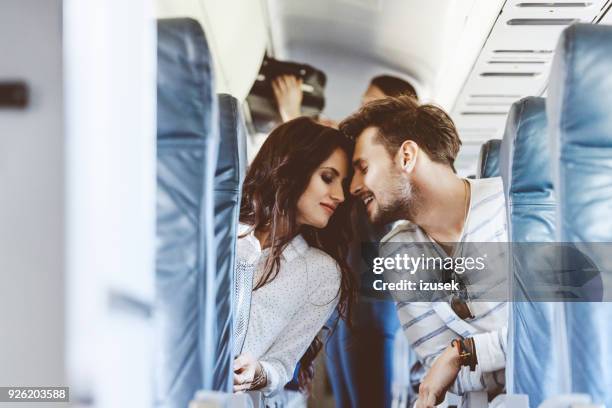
x: 261, y: 102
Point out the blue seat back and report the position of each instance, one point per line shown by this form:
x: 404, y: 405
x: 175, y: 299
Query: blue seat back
x: 228, y: 180
x: 533, y: 358
x: 187, y: 140
x: 580, y: 116
x: 488, y: 160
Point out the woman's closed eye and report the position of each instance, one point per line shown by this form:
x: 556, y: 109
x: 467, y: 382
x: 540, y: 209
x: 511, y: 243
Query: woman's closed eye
x: 327, y: 178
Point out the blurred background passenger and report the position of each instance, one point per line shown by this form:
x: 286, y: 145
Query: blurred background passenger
x: 288, y: 94
x: 387, y: 85
x: 359, y: 356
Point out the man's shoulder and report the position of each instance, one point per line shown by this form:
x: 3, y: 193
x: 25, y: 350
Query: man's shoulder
x: 402, y: 231
x: 488, y: 185
x: 487, y: 194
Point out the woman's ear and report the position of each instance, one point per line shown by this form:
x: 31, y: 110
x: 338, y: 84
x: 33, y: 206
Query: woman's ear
x: 407, y: 155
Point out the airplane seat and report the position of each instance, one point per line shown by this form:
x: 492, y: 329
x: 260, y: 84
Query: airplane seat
x: 187, y: 140
x: 534, y: 366
x: 488, y: 160
x: 580, y: 116
x: 228, y: 181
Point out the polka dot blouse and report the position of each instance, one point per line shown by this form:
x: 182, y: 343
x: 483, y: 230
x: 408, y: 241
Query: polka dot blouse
x: 287, y: 313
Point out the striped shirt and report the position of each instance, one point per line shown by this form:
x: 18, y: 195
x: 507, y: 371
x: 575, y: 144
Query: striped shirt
x: 431, y: 326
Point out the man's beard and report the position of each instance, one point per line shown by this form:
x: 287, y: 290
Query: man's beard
x: 401, y: 203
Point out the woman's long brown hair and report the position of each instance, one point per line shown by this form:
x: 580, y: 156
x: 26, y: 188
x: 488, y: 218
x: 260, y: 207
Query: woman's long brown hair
x: 276, y: 179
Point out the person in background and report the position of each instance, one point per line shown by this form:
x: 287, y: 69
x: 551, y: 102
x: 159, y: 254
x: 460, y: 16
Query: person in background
x: 386, y: 85
x: 288, y: 94
x: 359, y: 355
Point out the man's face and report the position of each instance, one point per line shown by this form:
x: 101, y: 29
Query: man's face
x: 379, y: 181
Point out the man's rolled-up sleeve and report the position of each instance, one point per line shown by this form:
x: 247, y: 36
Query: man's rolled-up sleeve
x: 491, y: 349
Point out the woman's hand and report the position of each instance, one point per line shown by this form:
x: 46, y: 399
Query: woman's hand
x: 439, y: 379
x: 288, y: 93
x: 248, y: 373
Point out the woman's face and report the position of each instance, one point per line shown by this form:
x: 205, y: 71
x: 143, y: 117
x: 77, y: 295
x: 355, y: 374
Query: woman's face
x: 324, y: 192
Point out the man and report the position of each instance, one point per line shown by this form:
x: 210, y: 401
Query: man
x: 404, y: 170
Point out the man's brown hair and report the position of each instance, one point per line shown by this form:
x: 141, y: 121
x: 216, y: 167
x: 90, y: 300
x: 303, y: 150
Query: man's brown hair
x: 402, y: 118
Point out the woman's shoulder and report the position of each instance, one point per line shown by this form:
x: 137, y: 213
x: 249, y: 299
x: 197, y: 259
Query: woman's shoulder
x: 312, y: 256
x: 324, y: 276
x: 319, y: 270
x: 325, y: 260
x: 243, y: 229
x: 322, y: 267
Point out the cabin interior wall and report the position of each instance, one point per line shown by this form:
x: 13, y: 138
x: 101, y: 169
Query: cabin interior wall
x: 110, y: 92
x: 32, y: 234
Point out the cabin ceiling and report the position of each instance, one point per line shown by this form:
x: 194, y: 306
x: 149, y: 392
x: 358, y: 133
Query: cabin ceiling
x: 396, y: 34
x: 472, y: 57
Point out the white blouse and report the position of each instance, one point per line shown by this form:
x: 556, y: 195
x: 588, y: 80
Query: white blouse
x: 287, y: 313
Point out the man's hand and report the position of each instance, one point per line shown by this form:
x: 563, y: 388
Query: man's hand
x: 439, y: 379
x: 288, y: 92
x: 248, y: 373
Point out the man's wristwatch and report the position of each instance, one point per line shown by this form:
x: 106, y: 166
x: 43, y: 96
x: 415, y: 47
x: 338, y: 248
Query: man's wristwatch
x: 467, y: 353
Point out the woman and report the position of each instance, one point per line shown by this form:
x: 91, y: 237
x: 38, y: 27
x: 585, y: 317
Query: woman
x: 294, y: 232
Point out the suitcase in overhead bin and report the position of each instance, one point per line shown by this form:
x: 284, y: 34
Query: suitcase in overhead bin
x: 262, y: 104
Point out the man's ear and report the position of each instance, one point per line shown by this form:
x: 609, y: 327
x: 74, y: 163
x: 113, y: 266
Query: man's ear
x: 407, y: 155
